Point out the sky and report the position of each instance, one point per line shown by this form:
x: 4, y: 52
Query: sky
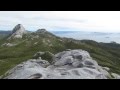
x: 96, y: 21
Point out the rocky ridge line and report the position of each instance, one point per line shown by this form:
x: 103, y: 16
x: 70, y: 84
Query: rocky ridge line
x: 69, y: 64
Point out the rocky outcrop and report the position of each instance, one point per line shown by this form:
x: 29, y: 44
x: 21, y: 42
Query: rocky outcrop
x: 8, y: 44
x: 69, y: 64
x: 38, y: 54
x: 116, y: 76
x: 18, y: 32
x: 41, y: 31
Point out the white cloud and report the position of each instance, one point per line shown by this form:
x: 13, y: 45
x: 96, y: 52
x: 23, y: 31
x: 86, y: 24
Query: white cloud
x: 104, y: 21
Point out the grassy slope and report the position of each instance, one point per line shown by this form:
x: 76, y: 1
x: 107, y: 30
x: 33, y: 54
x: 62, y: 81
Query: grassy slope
x: 105, y: 54
x: 11, y: 56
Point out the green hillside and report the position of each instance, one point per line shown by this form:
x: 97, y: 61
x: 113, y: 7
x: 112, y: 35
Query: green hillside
x: 106, y: 54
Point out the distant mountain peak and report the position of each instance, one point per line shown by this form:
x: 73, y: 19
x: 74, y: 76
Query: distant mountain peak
x: 18, y: 27
x: 18, y: 31
x: 41, y: 30
x: 44, y: 32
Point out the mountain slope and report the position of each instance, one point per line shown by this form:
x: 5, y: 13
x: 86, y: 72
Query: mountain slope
x: 16, y: 50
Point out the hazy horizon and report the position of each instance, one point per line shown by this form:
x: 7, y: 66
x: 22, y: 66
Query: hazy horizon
x: 90, y: 21
x: 66, y: 31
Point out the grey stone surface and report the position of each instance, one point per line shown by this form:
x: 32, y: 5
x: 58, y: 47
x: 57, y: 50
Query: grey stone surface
x: 72, y: 64
x: 17, y: 32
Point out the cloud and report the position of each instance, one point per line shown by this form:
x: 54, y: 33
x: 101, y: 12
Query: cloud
x: 102, y: 21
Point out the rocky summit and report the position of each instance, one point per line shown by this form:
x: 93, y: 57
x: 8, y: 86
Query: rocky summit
x: 18, y: 32
x: 41, y: 31
x: 69, y: 64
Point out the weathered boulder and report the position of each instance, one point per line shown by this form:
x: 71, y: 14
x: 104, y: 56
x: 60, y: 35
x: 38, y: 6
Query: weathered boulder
x: 115, y: 76
x: 72, y: 64
x: 38, y: 54
x: 8, y: 44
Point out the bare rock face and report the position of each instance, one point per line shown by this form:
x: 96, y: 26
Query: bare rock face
x: 8, y: 44
x: 18, y: 32
x: 72, y: 64
x: 41, y: 31
x: 116, y: 76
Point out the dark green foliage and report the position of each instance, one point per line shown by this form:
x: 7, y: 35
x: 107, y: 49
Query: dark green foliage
x: 47, y: 56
